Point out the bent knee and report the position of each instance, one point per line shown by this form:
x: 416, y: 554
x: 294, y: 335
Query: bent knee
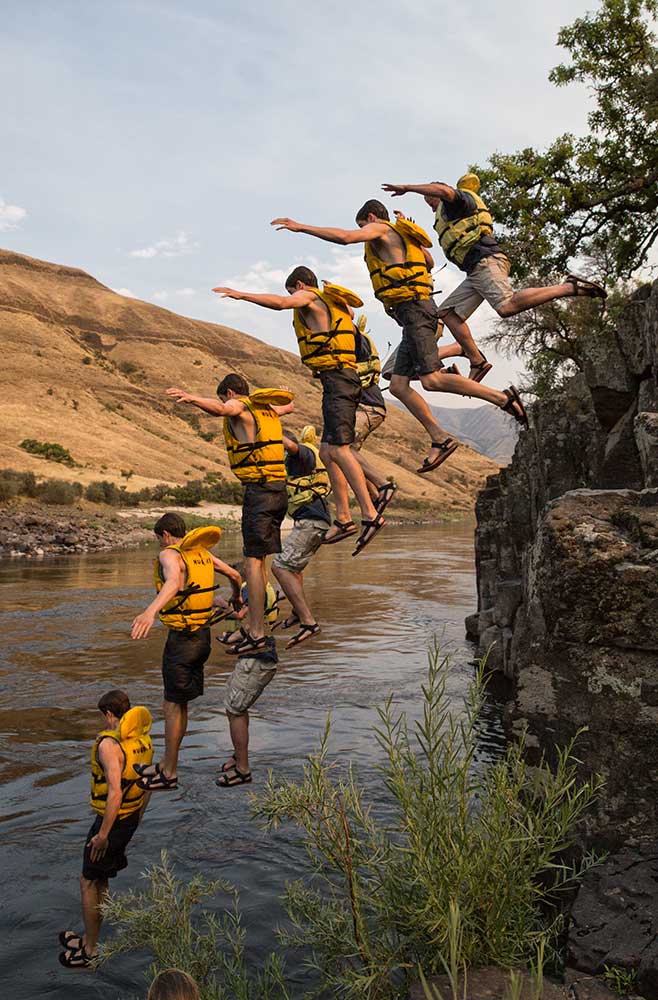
x: 506, y: 309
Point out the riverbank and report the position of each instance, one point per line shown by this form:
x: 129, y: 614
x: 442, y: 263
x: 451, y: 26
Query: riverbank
x: 31, y: 530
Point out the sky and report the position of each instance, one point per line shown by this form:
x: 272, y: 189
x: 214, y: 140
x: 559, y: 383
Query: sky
x: 151, y: 142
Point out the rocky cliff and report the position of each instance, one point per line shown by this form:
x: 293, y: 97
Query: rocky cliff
x: 567, y: 562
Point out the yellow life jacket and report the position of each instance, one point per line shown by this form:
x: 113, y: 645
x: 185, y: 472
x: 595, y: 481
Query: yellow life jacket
x: 370, y: 369
x: 271, y: 608
x: 191, y: 608
x: 411, y: 279
x: 459, y: 236
x: 132, y: 735
x: 306, y: 489
x: 262, y: 460
x: 322, y: 350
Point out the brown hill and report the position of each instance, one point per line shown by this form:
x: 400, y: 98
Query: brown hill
x: 87, y: 368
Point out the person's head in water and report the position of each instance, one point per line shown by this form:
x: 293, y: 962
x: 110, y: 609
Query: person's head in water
x: 173, y: 984
x: 372, y: 211
x: 232, y: 385
x: 114, y: 705
x: 169, y: 529
x: 301, y: 277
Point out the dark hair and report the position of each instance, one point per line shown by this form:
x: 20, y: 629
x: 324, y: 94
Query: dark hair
x: 173, y: 523
x: 303, y: 274
x: 372, y: 206
x: 117, y: 702
x: 173, y: 984
x: 234, y: 382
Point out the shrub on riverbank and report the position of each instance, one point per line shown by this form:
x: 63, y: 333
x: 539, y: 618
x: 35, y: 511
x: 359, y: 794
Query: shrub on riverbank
x: 484, y: 841
x: 49, y: 450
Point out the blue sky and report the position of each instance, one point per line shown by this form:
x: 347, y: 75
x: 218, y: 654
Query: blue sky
x: 150, y: 143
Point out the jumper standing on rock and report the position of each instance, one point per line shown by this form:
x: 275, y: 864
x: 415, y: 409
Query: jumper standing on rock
x: 254, y: 442
x: 464, y: 226
x: 324, y: 327
x: 399, y: 265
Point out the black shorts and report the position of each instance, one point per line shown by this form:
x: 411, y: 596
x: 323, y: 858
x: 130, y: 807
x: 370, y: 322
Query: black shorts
x: 264, y: 507
x: 417, y: 353
x: 114, y: 859
x: 183, y: 660
x: 341, y: 393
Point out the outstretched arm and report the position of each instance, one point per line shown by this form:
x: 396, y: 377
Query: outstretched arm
x: 296, y: 301
x: 214, y: 407
x: 290, y: 445
x: 344, y: 237
x: 434, y: 190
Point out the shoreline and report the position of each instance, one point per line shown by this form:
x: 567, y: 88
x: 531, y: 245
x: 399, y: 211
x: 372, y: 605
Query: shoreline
x: 30, y: 530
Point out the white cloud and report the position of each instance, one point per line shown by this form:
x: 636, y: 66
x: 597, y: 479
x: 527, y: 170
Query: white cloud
x: 179, y: 246
x: 125, y: 291
x: 184, y: 293
x: 10, y: 216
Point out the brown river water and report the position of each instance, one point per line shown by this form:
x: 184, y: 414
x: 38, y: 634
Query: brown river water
x: 65, y: 635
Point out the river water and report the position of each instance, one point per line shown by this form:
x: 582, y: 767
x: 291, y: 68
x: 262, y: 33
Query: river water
x: 65, y: 628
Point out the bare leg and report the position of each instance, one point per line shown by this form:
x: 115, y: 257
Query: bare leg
x: 175, y: 717
x: 528, y: 298
x: 418, y: 407
x: 373, y: 478
x: 254, y: 573
x: 343, y: 457
x: 293, y: 588
x: 92, y: 895
x: 339, y: 485
x: 461, y: 332
x: 239, y: 729
x: 457, y: 384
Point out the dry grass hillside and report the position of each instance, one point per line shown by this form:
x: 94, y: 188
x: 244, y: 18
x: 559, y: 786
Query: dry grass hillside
x: 87, y: 368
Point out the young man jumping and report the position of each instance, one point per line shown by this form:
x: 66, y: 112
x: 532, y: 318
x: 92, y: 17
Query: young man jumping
x: 254, y: 442
x: 402, y: 282
x: 464, y: 226
x: 184, y: 580
x: 324, y: 326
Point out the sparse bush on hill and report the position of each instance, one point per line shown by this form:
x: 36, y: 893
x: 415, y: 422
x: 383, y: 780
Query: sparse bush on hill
x: 13, y: 483
x: 102, y: 491
x: 57, y: 491
x: 49, y: 450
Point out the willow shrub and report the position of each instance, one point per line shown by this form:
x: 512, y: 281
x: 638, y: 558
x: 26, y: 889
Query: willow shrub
x: 483, y: 840
x: 161, y: 920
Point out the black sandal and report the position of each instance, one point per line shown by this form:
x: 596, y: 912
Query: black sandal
x: 305, y: 632
x: 225, y: 637
x: 385, y: 494
x: 78, y: 959
x: 368, y: 531
x: 249, y: 645
x: 158, y: 782
x: 446, y: 449
x: 514, y: 406
x: 479, y: 370
x: 585, y: 288
x: 67, y: 940
x: 232, y: 777
x: 345, y: 529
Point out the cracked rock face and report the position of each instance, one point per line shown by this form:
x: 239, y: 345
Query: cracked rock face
x: 614, y: 920
x: 567, y: 563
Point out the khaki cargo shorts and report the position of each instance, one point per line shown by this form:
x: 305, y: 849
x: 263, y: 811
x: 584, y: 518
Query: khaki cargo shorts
x: 249, y: 679
x: 368, y: 419
x: 303, y: 541
x: 489, y: 280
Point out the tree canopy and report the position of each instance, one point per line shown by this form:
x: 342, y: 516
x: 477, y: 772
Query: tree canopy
x: 596, y: 195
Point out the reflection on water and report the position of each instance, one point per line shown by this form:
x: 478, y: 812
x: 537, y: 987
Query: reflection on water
x: 65, y: 641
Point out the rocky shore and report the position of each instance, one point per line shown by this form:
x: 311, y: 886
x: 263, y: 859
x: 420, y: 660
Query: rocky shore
x: 33, y: 531
x: 567, y: 564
